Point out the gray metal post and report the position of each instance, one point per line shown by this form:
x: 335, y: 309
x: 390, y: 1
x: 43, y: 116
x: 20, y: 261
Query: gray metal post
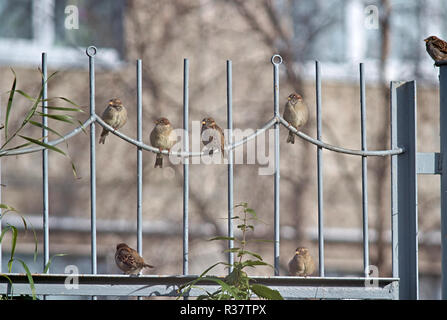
x: 404, y: 189
x: 46, y: 231
x: 185, y: 165
x: 230, y: 162
x: 443, y: 128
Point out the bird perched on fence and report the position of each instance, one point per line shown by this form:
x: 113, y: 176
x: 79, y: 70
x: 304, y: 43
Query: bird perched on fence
x: 163, y: 138
x: 115, y: 115
x: 214, y: 137
x: 128, y: 259
x: 436, y: 48
x: 296, y: 113
x: 302, y: 263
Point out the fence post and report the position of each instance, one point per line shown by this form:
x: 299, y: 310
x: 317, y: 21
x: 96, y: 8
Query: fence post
x: 443, y: 133
x: 404, y: 189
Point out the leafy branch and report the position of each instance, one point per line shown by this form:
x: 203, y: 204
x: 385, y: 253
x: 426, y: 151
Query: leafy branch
x: 236, y: 285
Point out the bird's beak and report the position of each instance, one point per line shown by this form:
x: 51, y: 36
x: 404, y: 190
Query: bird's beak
x: 203, y: 122
x: 288, y: 98
x: 296, y: 252
x: 426, y: 40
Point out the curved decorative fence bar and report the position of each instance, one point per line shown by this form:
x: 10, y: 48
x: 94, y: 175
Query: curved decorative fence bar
x: 403, y: 284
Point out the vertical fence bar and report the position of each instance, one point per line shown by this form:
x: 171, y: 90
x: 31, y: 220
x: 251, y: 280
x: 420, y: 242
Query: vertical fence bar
x: 443, y: 128
x: 139, y: 163
x: 319, y: 173
x: 185, y: 165
x: 277, y: 172
x: 364, y: 172
x: 230, y: 161
x: 46, y: 252
x: 91, y: 51
x: 404, y: 188
x: 139, y: 160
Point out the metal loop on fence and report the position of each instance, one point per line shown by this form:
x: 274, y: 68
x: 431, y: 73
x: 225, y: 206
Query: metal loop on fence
x: 276, y: 59
x: 91, y: 51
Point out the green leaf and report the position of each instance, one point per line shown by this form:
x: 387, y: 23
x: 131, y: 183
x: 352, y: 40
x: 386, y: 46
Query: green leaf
x: 221, y: 238
x: 69, y: 101
x: 46, y: 145
x: 10, y: 283
x: 30, y: 278
x: 7, y: 207
x: 9, y: 106
x: 242, y: 204
x: 58, y: 117
x: 18, y: 147
x: 40, y: 125
x: 13, y: 245
x: 25, y: 95
x: 64, y: 109
x: 250, y: 211
x: 244, y: 252
x: 265, y: 292
x: 252, y: 263
x: 232, y: 250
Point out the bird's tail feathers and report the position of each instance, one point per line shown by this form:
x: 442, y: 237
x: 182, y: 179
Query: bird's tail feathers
x: 104, y: 134
x: 291, y: 138
x: 158, y: 161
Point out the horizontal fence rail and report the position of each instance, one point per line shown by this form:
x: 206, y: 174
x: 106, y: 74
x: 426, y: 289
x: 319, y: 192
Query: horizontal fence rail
x: 290, y: 287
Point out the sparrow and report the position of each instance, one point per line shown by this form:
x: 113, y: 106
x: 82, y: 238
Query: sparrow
x: 296, y: 113
x: 115, y: 115
x: 436, y: 48
x: 302, y: 263
x: 214, y: 132
x: 163, y: 138
x: 128, y: 259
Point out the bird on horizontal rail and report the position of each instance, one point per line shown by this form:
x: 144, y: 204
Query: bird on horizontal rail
x: 436, y: 48
x: 163, y: 138
x: 302, y: 263
x: 128, y: 259
x: 296, y: 114
x: 115, y: 115
x: 212, y: 135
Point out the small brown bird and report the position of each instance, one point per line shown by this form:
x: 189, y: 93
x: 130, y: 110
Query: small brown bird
x: 302, y: 264
x: 163, y: 138
x: 211, y: 136
x: 115, y: 115
x: 295, y: 113
x: 436, y: 48
x: 128, y: 259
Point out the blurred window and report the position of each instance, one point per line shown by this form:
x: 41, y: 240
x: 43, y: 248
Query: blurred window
x: 63, y: 28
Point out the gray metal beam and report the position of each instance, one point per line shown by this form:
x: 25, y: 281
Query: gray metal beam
x: 149, y: 285
x: 443, y: 128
